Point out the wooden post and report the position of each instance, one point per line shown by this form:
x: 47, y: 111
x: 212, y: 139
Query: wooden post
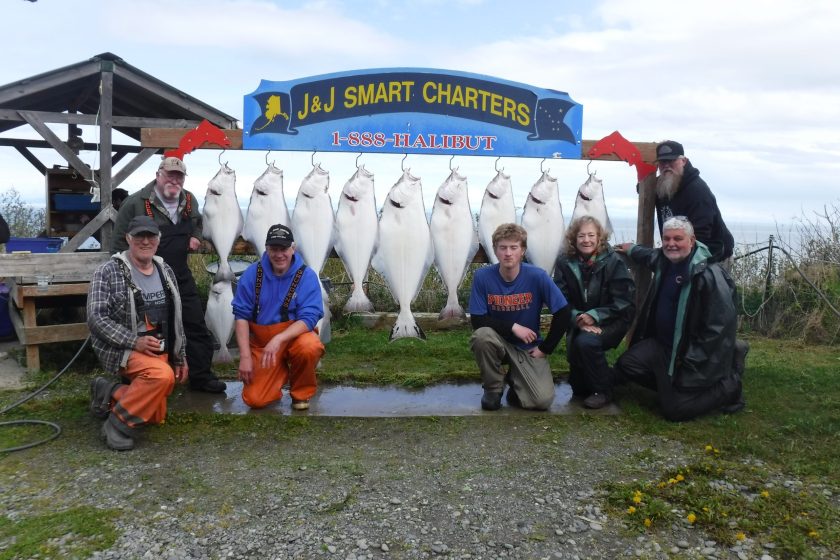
x: 106, y: 110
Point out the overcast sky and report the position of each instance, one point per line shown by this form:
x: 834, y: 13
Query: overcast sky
x: 751, y: 88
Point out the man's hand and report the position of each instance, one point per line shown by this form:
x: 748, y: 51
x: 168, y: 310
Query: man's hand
x: 524, y: 334
x: 623, y: 247
x: 246, y: 368
x: 195, y: 243
x: 584, y: 320
x: 591, y: 329
x: 148, y: 345
x: 272, y: 351
x: 535, y: 352
x: 182, y: 372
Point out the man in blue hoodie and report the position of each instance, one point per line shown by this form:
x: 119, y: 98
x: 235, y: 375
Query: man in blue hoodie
x: 277, y: 304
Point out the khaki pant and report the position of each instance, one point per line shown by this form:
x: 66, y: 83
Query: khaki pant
x: 530, y: 377
x: 295, y: 366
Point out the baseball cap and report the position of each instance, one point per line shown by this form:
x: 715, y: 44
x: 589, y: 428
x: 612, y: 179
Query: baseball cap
x: 173, y: 164
x: 669, y: 150
x: 279, y: 234
x: 141, y: 224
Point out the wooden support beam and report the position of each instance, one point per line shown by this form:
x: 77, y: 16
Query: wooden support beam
x: 30, y: 157
x: 132, y: 166
x: 169, y: 138
x: 59, y: 146
x: 11, y: 115
x: 105, y: 215
x: 26, y: 143
x: 63, y: 266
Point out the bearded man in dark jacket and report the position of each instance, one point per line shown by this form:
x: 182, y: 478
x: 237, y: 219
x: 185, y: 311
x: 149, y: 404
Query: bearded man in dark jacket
x: 684, y: 344
x: 681, y: 192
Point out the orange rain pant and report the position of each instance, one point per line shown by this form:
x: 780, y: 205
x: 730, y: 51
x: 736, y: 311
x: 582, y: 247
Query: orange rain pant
x: 144, y: 400
x: 295, y: 366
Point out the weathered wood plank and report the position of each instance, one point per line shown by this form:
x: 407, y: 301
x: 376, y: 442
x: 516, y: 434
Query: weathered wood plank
x: 169, y: 138
x: 54, y: 333
x: 57, y: 144
x: 63, y: 266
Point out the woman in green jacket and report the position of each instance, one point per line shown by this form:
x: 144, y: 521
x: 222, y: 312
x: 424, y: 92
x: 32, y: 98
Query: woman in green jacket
x: 600, y: 290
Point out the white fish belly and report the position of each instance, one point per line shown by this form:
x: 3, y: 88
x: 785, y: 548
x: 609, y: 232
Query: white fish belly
x: 545, y: 235
x: 493, y: 214
x: 404, y: 247
x: 312, y: 223
x: 263, y: 212
x: 453, y: 237
x: 219, y: 316
x: 356, y: 232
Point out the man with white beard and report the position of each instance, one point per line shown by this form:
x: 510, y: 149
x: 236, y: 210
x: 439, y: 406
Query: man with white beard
x: 681, y: 192
x: 684, y: 345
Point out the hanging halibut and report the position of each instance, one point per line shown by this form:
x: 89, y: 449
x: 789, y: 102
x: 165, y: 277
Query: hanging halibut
x: 496, y: 208
x: 590, y: 202
x: 405, y: 250
x: 219, y: 317
x: 356, y: 233
x: 454, y: 238
x: 267, y: 207
x: 543, y: 220
x: 222, y: 218
x: 312, y: 224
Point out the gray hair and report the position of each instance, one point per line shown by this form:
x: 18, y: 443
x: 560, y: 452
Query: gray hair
x: 679, y: 222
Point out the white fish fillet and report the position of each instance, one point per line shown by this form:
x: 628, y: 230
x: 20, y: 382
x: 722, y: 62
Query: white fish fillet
x: 219, y: 317
x: 590, y: 202
x: 267, y: 207
x: 454, y: 238
x: 405, y: 250
x: 356, y: 234
x: 222, y: 218
x: 312, y: 225
x: 497, y: 208
x: 543, y: 220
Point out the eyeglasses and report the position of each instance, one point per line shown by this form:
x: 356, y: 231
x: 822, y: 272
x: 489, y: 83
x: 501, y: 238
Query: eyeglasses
x: 667, y: 162
x: 174, y: 176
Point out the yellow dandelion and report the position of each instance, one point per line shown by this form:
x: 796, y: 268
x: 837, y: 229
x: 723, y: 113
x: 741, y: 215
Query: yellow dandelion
x: 672, y: 481
x: 680, y: 478
x: 662, y: 484
x: 631, y: 510
x: 648, y: 522
x: 637, y: 499
x: 740, y: 536
x: 813, y: 534
x: 717, y: 451
x: 691, y: 518
x: 637, y: 493
x: 709, y: 448
x: 705, y: 509
x: 765, y: 494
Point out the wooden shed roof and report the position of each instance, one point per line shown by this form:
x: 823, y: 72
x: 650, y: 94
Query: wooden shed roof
x: 75, y: 88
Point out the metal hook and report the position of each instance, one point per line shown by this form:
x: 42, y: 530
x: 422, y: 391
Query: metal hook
x: 450, y: 162
x: 266, y: 158
x: 402, y: 163
x: 587, y: 167
x: 220, y: 157
x: 357, y: 159
x: 541, y: 166
x: 312, y: 159
x: 496, y: 165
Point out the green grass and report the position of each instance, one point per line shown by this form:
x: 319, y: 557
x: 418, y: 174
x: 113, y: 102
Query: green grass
x: 73, y: 533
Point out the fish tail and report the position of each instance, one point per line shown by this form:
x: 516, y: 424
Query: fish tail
x: 452, y: 310
x: 358, y: 302
x: 224, y: 274
x: 406, y: 327
x: 223, y: 356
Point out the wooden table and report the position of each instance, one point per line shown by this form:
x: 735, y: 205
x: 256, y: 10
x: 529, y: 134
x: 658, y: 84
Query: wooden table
x: 69, y: 275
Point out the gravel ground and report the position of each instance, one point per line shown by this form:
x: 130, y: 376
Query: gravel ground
x: 363, y: 489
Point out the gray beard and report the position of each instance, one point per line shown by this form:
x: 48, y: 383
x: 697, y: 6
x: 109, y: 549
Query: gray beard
x: 667, y: 185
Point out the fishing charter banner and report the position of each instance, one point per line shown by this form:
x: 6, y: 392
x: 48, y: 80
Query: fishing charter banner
x: 412, y: 110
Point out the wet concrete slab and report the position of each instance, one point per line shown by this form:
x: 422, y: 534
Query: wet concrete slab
x: 348, y: 401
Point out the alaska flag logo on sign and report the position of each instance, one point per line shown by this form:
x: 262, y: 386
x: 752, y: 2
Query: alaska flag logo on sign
x: 408, y: 110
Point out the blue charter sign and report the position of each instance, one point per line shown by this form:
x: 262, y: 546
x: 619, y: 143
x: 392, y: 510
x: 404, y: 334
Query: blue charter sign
x: 412, y: 110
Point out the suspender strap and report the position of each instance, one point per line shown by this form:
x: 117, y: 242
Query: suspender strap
x: 284, y: 309
x: 149, y: 209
